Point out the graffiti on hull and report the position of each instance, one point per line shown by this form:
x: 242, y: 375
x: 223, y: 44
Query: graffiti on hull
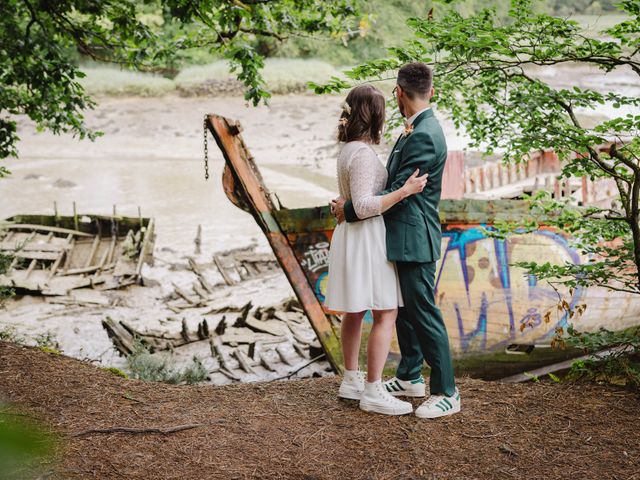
x: 484, y: 298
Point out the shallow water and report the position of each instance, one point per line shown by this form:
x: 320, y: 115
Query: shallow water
x: 173, y: 191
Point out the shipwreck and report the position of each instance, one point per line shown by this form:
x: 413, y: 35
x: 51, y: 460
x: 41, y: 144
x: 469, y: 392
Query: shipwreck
x: 53, y: 254
x: 489, y: 305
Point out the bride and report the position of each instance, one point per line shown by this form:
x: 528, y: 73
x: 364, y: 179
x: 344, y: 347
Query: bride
x: 360, y: 276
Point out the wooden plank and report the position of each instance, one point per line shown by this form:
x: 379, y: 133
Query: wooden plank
x: 249, y: 186
x: 227, y: 279
x: 250, y: 337
x: 36, y: 255
x: 201, y: 278
x: 94, y: 268
x: 30, y: 247
x: 301, y: 351
x: 146, y: 249
x: 56, y: 264
x: 32, y: 265
x: 92, y: 252
x: 266, y: 363
x: 44, y: 228
x: 284, y: 356
x: 217, y: 351
x: 185, y: 295
x: 200, y: 291
x: 112, y: 248
x: 261, y: 326
x: 243, y: 361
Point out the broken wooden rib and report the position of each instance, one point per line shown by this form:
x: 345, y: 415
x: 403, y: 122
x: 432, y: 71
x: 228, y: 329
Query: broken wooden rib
x: 241, y: 352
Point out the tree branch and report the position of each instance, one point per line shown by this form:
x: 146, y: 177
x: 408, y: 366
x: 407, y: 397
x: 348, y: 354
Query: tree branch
x: 159, y: 430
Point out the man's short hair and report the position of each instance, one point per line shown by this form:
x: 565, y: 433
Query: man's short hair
x: 415, y: 79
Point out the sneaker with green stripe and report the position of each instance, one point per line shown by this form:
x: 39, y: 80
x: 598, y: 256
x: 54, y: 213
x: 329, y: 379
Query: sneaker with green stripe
x: 406, y: 388
x: 439, y: 406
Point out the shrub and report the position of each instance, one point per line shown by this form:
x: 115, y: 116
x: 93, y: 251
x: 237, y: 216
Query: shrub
x: 8, y: 334
x: 157, y: 367
x: 614, y: 357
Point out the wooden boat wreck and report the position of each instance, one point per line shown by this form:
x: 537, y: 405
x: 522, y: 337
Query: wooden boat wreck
x: 52, y: 255
x: 489, y: 305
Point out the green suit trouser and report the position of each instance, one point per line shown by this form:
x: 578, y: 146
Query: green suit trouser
x: 422, y: 334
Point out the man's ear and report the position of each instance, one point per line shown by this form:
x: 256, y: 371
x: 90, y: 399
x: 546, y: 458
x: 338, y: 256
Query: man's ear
x: 432, y: 93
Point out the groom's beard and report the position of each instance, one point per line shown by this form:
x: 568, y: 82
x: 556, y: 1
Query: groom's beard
x: 401, y: 108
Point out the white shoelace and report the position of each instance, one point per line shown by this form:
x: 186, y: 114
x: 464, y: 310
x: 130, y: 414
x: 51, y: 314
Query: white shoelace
x: 433, y: 400
x: 390, y: 398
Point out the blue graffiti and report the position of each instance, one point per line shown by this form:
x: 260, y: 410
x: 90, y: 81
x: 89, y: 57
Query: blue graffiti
x: 460, y: 241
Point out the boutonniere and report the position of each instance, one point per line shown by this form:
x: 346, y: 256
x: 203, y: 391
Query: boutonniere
x: 408, y: 130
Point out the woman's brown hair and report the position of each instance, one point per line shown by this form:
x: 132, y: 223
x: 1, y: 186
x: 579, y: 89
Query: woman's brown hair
x: 362, y: 115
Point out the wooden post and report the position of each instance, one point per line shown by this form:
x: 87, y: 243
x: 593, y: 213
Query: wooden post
x: 75, y: 216
x: 198, y: 240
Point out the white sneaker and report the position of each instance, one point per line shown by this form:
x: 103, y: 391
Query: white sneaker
x: 439, y: 406
x: 376, y: 399
x: 406, y: 388
x: 352, y: 385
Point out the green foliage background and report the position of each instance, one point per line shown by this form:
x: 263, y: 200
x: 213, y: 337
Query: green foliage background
x: 382, y: 23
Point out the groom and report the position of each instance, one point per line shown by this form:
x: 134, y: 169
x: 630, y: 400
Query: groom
x: 413, y: 242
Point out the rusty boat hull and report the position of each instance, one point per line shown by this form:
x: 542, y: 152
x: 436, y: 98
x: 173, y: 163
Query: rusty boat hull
x: 490, y: 306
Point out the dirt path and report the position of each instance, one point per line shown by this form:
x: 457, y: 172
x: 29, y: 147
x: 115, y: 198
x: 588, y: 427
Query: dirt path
x: 299, y: 429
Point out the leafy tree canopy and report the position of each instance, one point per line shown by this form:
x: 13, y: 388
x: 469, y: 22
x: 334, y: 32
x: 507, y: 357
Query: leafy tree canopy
x: 40, y: 41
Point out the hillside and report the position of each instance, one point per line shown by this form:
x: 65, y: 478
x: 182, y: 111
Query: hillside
x: 299, y: 430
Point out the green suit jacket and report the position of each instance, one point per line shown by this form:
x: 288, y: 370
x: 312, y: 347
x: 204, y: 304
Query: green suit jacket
x: 413, y: 224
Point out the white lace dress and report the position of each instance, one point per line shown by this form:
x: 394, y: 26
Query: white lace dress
x: 360, y: 277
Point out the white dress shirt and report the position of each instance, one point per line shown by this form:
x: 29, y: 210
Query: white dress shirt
x: 415, y: 115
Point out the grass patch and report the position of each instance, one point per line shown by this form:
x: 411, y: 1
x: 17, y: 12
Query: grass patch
x: 158, y: 367
x: 116, y: 371
x: 104, y: 80
x: 281, y: 75
x: 50, y: 350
